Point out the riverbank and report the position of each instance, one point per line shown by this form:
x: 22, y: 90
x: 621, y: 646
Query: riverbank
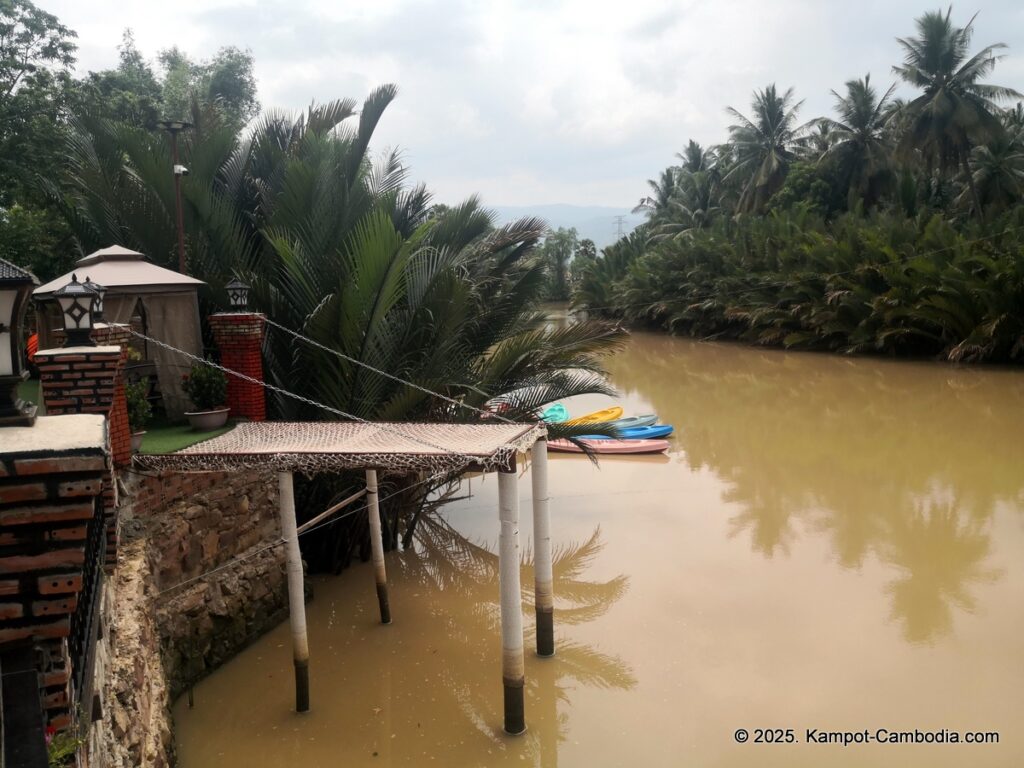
x: 880, y: 284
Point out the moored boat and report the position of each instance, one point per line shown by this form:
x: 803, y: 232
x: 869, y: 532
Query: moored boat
x: 607, y: 414
x: 639, y: 433
x: 610, y: 446
x: 555, y: 414
x: 629, y: 422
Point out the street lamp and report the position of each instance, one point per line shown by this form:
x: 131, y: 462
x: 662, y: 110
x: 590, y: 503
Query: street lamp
x: 174, y: 127
x: 76, y: 302
x: 97, y: 304
x: 15, y: 288
x: 238, y: 294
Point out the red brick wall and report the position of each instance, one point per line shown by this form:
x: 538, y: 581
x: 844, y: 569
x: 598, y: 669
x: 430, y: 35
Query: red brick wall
x: 89, y: 382
x: 46, y: 506
x: 239, y: 338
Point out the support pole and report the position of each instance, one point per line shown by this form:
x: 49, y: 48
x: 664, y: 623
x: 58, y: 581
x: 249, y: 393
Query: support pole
x: 513, y: 670
x: 544, y: 596
x: 296, y: 593
x: 377, y: 545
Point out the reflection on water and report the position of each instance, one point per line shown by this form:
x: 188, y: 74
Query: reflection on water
x: 831, y: 543
x: 906, y: 461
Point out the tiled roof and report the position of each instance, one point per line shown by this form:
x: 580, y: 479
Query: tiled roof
x: 10, y: 271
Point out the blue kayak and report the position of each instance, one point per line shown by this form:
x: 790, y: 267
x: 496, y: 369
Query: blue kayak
x: 638, y: 433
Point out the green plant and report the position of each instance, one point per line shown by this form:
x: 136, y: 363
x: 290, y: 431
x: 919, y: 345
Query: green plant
x: 139, y: 409
x: 206, y: 387
x: 62, y: 747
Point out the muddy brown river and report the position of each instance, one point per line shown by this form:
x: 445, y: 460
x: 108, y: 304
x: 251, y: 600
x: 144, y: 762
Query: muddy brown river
x: 832, y: 544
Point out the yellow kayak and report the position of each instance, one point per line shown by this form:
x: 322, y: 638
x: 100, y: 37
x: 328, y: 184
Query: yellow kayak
x: 608, y: 414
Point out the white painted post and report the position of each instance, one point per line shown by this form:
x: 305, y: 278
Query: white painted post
x: 296, y: 594
x: 513, y: 669
x: 544, y: 596
x: 377, y: 545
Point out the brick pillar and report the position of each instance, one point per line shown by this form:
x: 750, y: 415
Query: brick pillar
x: 51, y: 549
x: 239, y: 336
x: 91, y: 380
x: 88, y: 380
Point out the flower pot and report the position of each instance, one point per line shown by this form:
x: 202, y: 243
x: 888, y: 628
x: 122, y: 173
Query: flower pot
x: 137, y: 440
x: 203, y: 421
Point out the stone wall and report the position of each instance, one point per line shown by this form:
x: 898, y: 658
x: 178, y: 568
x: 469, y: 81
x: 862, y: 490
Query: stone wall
x: 170, y: 625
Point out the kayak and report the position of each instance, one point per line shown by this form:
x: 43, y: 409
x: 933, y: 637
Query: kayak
x: 611, y: 446
x: 635, y: 421
x: 555, y: 414
x: 608, y: 414
x: 638, y: 433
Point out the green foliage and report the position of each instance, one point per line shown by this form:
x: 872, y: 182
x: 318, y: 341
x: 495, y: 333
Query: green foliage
x: 139, y: 409
x: 36, y: 238
x: 62, y: 748
x: 226, y: 80
x: 882, y: 284
x: 206, y: 387
x: 556, y: 253
x: 36, y: 55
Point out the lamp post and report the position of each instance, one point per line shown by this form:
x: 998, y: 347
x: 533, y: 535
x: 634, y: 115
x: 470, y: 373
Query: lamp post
x: 15, y: 288
x: 76, y: 302
x: 174, y: 127
x: 238, y: 294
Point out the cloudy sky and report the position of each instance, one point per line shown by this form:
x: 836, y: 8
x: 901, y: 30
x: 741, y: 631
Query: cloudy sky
x: 540, y: 101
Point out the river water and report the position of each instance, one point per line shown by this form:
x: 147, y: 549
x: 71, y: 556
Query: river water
x: 832, y: 544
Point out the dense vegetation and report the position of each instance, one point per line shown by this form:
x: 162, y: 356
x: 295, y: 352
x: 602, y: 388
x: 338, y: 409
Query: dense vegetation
x: 894, y: 227
x: 335, y: 243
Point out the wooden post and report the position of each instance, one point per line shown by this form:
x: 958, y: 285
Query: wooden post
x: 296, y: 594
x: 513, y: 669
x: 544, y: 596
x: 377, y: 545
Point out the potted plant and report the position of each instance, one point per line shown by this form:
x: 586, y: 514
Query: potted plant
x: 207, y: 388
x: 139, y: 410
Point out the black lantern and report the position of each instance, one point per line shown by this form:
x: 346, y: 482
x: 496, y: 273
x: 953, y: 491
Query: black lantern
x: 97, y: 304
x: 15, y: 288
x: 238, y: 294
x: 76, y: 302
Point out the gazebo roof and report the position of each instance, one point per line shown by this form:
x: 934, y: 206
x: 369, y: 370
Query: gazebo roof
x: 121, y: 270
x: 332, y: 446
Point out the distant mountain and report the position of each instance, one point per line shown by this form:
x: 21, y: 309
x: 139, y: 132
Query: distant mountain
x: 591, y: 221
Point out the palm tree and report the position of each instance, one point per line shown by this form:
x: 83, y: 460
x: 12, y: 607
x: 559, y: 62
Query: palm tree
x: 339, y: 249
x: 859, y: 139
x: 955, y: 111
x: 998, y: 169
x: 661, y: 193
x: 764, y: 146
x: 696, y: 158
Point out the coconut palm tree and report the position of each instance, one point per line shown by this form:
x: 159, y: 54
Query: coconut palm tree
x: 662, y: 190
x: 955, y: 111
x: 997, y: 169
x: 764, y: 145
x: 859, y: 140
x: 696, y: 158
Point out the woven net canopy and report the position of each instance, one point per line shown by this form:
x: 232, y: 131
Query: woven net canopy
x: 332, y: 446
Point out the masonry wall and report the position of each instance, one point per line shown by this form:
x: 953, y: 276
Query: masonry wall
x: 169, y: 627
x: 51, y: 542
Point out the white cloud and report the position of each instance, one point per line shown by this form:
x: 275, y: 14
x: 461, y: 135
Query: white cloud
x: 539, y: 101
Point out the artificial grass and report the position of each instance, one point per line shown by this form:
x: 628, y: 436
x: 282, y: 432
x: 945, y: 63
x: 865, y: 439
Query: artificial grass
x: 28, y: 391
x: 166, y: 437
